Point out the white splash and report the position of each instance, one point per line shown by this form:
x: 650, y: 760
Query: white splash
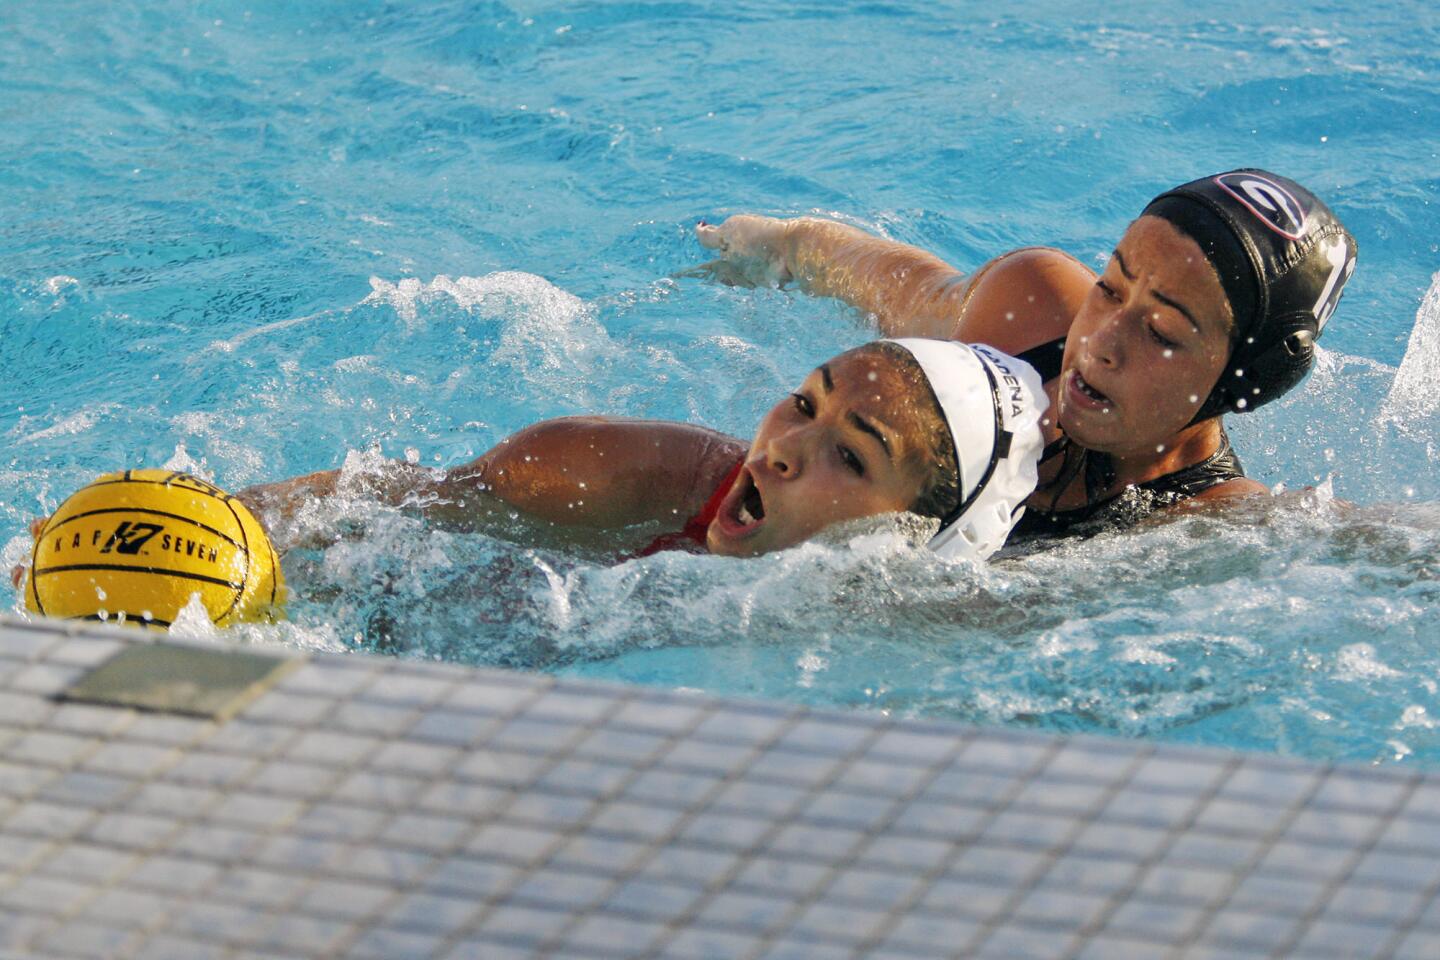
x: 1414, y: 398
x: 182, y: 461
x: 75, y: 423
x: 549, y: 337
x: 1416, y: 716
x: 194, y: 621
x: 558, y: 596
x: 812, y: 662
x: 495, y: 294
x: 1358, y: 662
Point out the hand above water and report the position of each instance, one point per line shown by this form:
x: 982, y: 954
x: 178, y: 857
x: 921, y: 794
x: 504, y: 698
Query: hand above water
x: 752, y: 250
x: 17, y: 572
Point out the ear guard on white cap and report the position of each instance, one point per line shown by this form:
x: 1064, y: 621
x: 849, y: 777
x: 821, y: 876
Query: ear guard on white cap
x: 992, y: 404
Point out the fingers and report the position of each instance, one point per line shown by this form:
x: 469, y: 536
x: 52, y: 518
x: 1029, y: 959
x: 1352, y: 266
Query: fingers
x: 17, y: 572
x: 734, y: 236
x: 709, y: 235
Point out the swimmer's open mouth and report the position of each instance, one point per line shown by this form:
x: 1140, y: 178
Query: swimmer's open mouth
x: 1082, y: 386
x: 743, y: 511
x: 752, y: 507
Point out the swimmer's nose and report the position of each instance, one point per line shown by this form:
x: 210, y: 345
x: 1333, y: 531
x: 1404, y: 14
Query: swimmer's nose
x: 783, y: 456
x: 781, y: 464
x: 1103, y: 344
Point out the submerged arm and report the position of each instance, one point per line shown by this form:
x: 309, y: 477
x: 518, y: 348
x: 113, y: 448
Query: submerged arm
x: 909, y: 291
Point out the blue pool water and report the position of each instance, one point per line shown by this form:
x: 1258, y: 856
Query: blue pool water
x: 254, y: 239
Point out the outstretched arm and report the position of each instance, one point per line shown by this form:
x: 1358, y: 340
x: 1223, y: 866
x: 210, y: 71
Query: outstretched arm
x: 589, y: 472
x: 909, y: 292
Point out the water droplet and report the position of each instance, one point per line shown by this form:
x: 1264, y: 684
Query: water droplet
x: 1241, y: 404
x: 1159, y: 448
x: 1194, y: 398
x: 1009, y: 315
x: 872, y: 376
x: 1168, y: 353
x: 103, y: 614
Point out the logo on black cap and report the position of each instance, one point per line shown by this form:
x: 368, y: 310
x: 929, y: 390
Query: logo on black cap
x: 1272, y: 203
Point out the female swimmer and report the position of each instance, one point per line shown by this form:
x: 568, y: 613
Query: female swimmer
x: 933, y: 427
x: 1210, y: 303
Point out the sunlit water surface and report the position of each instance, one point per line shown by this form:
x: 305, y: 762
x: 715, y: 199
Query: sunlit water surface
x: 258, y: 239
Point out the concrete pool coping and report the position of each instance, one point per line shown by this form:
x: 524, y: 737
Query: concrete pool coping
x: 376, y: 808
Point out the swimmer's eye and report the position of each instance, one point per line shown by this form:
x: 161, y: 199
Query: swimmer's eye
x: 1161, y: 339
x: 848, y: 457
x: 803, y: 405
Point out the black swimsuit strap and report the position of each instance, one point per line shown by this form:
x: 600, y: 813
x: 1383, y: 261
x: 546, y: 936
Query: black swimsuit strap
x: 1045, y: 359
x: 1220, y: 467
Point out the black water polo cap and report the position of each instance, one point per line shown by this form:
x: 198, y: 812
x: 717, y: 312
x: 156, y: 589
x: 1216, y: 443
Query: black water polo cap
x: 1283, y: 259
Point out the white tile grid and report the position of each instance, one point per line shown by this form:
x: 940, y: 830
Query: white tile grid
x: 611, y: 822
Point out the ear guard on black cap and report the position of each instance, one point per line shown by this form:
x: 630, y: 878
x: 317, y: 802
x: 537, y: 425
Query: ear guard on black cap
x: 1283, y: 259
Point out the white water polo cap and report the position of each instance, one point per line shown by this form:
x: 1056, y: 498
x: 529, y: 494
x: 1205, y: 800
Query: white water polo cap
x: 992, y: 404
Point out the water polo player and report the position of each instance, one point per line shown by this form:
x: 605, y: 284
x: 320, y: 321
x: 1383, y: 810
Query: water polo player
x: 933, y: 427
x: 1210, y: 303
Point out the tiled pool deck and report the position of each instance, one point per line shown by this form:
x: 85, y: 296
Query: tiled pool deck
x: 374, y: 808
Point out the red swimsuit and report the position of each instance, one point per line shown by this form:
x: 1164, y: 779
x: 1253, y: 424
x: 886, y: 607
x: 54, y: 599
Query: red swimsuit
x: 697, y: 526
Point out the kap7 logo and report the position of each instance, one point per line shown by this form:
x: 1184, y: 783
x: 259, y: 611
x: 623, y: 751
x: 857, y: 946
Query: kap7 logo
x: 129, y: 537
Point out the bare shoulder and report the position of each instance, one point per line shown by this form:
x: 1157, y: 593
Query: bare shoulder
x: 1023, y: 298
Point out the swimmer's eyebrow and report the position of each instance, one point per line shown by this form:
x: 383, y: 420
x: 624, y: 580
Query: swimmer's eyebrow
x: 870, y: 428
x: 860, y: 422
x: 1178, y: 306
x: 1158, y: 296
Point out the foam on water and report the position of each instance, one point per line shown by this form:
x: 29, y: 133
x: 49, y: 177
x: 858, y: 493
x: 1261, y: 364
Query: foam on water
x: 215, y: 259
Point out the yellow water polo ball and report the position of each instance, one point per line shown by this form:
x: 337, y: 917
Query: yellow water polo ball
x: 134, y: 547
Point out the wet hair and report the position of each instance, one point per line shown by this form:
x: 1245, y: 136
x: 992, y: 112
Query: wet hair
x: 936, y: 451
